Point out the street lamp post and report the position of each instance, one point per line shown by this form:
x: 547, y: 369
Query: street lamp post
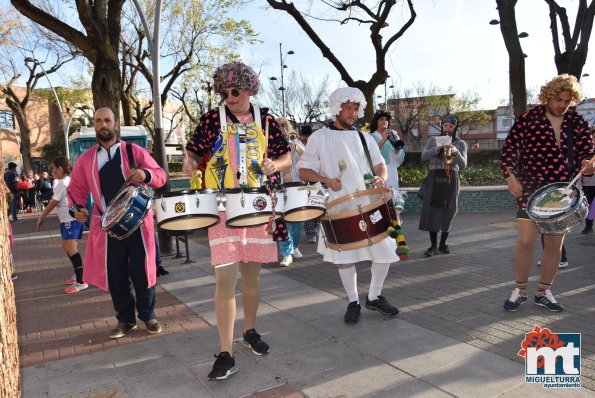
x: 385, y: 99
x: 36, y: 62
x: 283, y: 66
x: 77, y: 108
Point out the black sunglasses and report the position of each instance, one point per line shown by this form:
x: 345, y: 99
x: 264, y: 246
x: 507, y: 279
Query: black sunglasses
x: 225, y: 94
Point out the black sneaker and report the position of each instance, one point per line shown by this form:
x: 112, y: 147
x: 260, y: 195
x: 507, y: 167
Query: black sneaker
x: 431, y: 252
x: 515, y: 300
x: 548, y: 301
x: 14, y: 276
x: 444, y: 249
x: 224, y: 366
x: 353, y: 312
x: 252, y: 340
x: 382, y: 306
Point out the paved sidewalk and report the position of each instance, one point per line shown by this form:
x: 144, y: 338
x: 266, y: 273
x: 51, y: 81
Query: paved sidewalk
x: 452, y: 337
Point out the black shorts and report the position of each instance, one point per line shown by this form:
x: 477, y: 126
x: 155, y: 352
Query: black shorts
x: 521, y: 214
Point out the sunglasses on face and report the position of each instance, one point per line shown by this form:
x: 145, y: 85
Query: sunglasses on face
x: 225, y: 94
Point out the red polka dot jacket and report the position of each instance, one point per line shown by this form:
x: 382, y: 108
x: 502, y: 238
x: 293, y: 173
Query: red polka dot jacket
x: 531, y: 152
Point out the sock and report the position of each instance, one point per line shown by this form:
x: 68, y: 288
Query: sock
x: 433, y: 238
x: 542, y: 287
x: 77, y: 263
x: 349, y: 280
x: 379, y: 272
x: 522, y: 286
x: 443, y: 238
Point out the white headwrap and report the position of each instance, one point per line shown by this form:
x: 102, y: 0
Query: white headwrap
x: 343, y: 95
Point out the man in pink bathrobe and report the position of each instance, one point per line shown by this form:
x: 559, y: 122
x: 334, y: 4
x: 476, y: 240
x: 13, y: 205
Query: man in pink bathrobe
x: 112, y: 264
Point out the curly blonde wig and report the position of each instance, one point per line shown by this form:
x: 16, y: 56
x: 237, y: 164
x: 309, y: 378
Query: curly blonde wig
x: 285, y: 125
x: 558, y: 84
x: 235, y: 74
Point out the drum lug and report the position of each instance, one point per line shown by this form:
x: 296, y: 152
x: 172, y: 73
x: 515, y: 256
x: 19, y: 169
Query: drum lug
x: 242, y: 200
x: 163, y: 204
x: 361, y: 215
x: 196, y: 200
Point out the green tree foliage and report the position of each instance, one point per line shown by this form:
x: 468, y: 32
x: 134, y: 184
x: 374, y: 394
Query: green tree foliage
x: 198, y: 35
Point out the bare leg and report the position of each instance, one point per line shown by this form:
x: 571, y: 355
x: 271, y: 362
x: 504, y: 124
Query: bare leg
x: 552, y: 253
x: 525, y: 245
x: 226, y: 277
x: 250, y: 293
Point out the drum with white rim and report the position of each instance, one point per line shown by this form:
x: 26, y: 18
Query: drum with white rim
x: 555, y: 209
x: 187, y: 210
x: 303, y: 201
x: 359, y: 219
x: 126, y: 211
x: 248, y: 207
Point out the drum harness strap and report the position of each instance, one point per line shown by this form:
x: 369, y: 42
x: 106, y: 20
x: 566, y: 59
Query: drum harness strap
x: 570, y: 165
x: 132, y: 165
x: 241, y: 146
x: 242, y: 175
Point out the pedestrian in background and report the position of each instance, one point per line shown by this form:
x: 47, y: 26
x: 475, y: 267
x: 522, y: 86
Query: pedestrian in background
x: 441, y: 198
x: 70, y: 229
x: 289, y: 248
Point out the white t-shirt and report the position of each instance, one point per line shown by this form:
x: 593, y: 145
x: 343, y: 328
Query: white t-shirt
x: 60, y: 187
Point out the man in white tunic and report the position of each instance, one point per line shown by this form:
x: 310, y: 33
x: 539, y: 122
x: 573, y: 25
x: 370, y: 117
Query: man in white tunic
x: 335, y: 156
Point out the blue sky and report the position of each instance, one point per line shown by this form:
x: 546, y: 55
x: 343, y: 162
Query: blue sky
x: 451, y: 43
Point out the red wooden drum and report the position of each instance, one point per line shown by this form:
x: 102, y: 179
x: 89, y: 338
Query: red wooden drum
x: 359, y: 219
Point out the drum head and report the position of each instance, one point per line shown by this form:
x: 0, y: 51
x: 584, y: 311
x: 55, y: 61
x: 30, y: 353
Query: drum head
x: 552, y: 201
x: 118, y: 206
x: 189, y: 222
x: 347, y: 205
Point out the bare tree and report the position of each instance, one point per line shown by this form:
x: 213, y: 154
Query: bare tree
x: 570, y: 60
x: 99, y: 43
x: 516, y: 57
x: 305, y: 101
x: 576, y: 43
x: 17, y: 60
x: 200, y: 34
x: 373, y: 13
x: 406, y: 108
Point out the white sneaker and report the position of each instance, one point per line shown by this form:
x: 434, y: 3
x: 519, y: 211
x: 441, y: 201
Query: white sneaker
x: 286, y: 261
x: 297, y: 253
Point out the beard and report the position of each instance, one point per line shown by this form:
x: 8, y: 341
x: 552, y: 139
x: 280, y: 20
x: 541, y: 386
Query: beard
x: 107, y: 136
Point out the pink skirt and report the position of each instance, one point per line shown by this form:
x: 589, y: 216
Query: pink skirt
x: 241, y: 245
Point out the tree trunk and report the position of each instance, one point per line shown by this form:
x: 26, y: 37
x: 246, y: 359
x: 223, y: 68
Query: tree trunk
x: 106, y: 83
x: 9, y: 348
x: 516, y: 63
x: 25, y: 133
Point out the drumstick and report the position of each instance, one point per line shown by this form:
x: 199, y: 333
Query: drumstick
x: 575, y: 179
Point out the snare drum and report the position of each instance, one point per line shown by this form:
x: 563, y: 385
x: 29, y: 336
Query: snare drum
x: 187, y: 210
x: 555, y: 211
x: 303, y: 202
x: 249, y: 207
x: 126, y: 212
x: 359, y: 219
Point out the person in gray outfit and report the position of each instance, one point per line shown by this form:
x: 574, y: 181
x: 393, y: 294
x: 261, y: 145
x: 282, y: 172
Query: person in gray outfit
x: 441, y: 198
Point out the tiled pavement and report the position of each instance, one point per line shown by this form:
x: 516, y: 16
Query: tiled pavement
x: 452, y: 337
